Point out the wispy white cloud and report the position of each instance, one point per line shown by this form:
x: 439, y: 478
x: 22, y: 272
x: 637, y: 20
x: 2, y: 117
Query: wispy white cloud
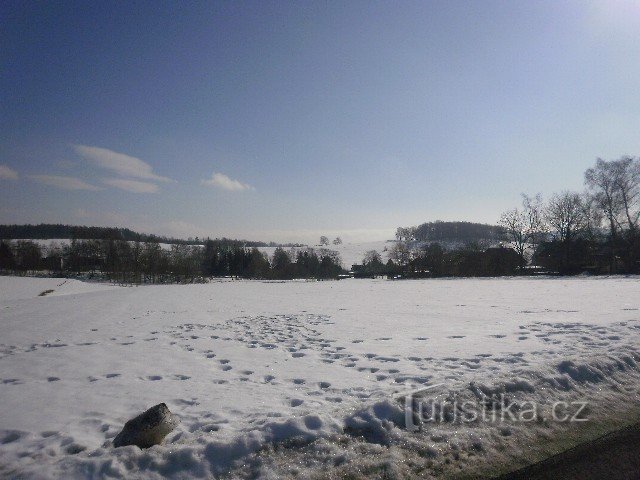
x: 64, y: 182
x: 7, y: 173
x: 119, y: 163
x: 220, y: 180
x: 134, y: 186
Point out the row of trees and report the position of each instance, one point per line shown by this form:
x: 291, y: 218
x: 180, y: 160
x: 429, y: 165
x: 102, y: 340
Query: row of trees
x: 148, y: 262
x: 597, y: 230
x: 433, y: 260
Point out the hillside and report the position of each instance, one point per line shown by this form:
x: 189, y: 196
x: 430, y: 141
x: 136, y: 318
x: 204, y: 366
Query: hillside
x: 47, y: 231
x: 458, y: 232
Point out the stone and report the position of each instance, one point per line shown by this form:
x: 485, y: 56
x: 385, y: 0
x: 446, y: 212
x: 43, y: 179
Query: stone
x: 148, y: 428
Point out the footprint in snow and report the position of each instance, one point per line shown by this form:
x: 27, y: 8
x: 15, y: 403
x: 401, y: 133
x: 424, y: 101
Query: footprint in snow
x: 11, y: 381
x: 11, y: 437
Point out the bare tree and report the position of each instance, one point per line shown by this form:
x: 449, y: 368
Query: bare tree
x: 524, y: 226
x: 372, y: 257
x: 565, y: 215
x: 515, y: 224
x: 400, y: 253
x: 601, y: 182
x: 627, y: 181
x: 324, y: 240
x: 337, y: 241
x: 407, y: 234
x: 593, y: 216
x: 615, y: 186
x: 536, y: 224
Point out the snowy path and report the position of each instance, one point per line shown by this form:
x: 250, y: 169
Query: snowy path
x: 244, y: 363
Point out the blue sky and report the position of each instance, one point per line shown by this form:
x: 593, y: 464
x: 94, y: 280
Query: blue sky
x: 282, y: 121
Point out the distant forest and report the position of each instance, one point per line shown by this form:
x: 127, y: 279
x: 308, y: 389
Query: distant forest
x: 460, y: 232
x: 46, y: 231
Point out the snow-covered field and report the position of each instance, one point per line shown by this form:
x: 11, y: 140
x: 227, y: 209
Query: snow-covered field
x: 252, y: 367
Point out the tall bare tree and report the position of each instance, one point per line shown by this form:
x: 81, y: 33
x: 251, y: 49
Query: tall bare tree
x: 627, y: 181
x: 602, y: 185
x: 615, y: 185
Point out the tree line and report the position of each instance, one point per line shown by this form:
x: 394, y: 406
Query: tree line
x: 431, y: 259
x: 46, y: 231
x: 147, y: 262
x: 595, y: 231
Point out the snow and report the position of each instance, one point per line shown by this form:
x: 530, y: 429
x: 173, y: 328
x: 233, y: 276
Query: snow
x: 246, y: 365
x: 22, y: 288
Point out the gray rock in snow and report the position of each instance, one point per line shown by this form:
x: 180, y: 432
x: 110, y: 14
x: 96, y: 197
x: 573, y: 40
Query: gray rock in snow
x: 148, y: 428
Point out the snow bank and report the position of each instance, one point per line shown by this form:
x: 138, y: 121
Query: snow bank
x: 22, y: 288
